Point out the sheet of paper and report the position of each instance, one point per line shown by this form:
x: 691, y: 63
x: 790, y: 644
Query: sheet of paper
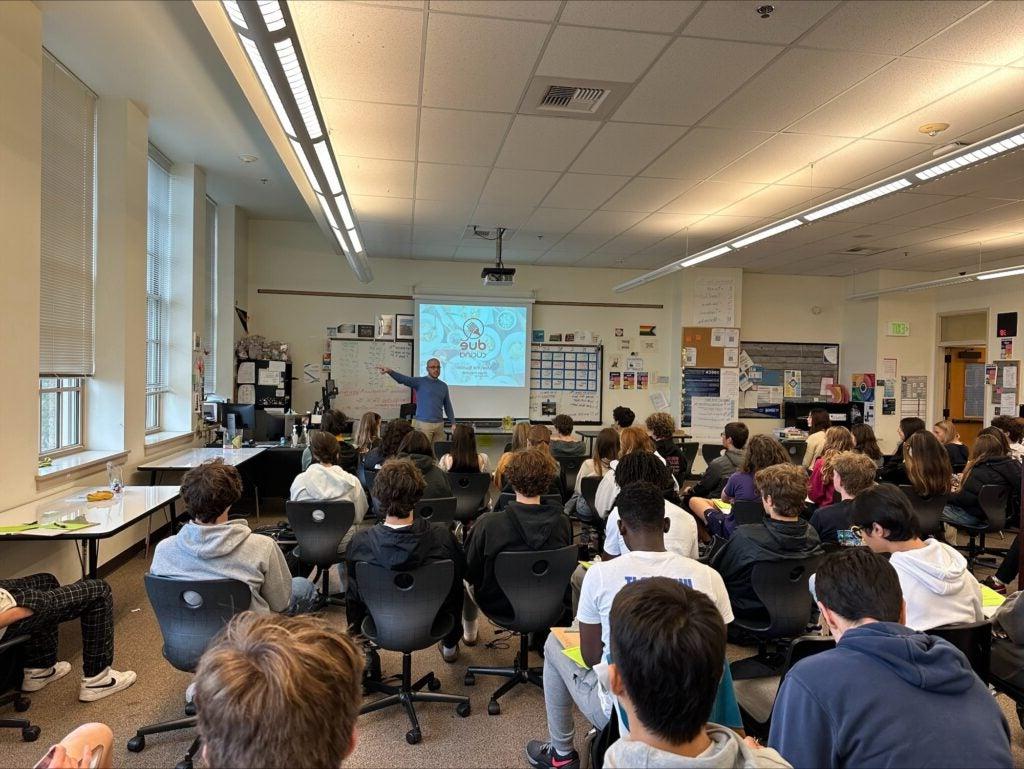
x: 730, y: 382
x: 246, y: 373
x: 831, y: 355
x: 749, y: 399
x: 826, y: 385
x: 276, y: 365
x: 246, y: 394
x: 768, y: 395
x: 745, y: 360
x: 311, y: 373
x: 1010, y: 377
x: 792, y: 386
x: 566, y: 636
x: 659, y: 401
x: 990, y: 597
x: 1008, y: 403
x: 268, y: 378
x: 715, y: 300
x: 731, y: 356
x: 576, y: 655
x: 690, y: 356
x: 709, y: 415
x: 889, y: 366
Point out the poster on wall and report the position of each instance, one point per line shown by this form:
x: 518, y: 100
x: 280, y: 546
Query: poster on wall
x: 863, y: 389
x: 614, y: 380
x: 1006, y: 349
x: 888, y: 407
x: 792, y: 387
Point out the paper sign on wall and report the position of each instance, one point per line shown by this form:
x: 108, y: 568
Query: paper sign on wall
x: 791, y: 383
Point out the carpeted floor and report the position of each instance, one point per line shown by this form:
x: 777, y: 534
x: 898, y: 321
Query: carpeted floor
x: 448, y: 741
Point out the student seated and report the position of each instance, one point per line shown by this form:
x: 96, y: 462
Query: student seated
x: 949, y: 437
x: 606, y: 451
x: 818, y: 423
x: 464, y: 458
x: 325, y: 480
x: 662, y: 428
x: 1008, y: 641
x: 989, y: 465
x: 761, y: 451
x: 539, y: 437
x: 368, y: 434
x: 524, y: 524
x: 623, y: 417
x: 333, y: 423
x: 404, y: 542
x: 667, y: 638
x: 865, y: 442
x: 210, y: 546
x: 417, y: 448
x: 819, y: 488
x: 279, y: 691
x: 782, y: 536
x: 852, y: 706
x: 520, y: 440
x: 642, y: 525
x: 852, y: 473
x: 927, y: 464
x: 712, y: 483
x: 937, y: 587
x: 893, y: 470
x: 36, y: 605
x: 391, y: 438
x: 1013, y: 429
x: 631, y: 440
x: 563, y: 442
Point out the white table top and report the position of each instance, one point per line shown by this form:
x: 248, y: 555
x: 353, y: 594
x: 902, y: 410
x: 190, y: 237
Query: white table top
x: 190, y: 458
x: 111, y: 516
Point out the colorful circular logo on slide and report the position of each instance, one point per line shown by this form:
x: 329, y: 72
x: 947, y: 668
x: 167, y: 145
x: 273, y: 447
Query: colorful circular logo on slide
x: 506, y: 321
x: 473, y: 328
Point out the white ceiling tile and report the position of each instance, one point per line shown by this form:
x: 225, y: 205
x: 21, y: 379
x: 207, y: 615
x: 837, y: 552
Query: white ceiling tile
x: 514, y: 187
x: 776, y: 199
x: 437, y: 236
x: 693, y: 76
x: 721, y: 226
x: 583, y: 190
x: 627, y: 243
x: 644, y: 194
x: 599, y: 54
x: 851, y: 163
x: 664, y: 225
x: 797, y: 82
x: 383, y: 178
x: 737, y: 20
x: 608, y: 223
x: 478, y: 63
x: 463, y: 138
x: 993, y: 35
x: 385, y: 235
x: 555, y: 258
x: 431, y: 251
x: 362, y: 129
x: 1005, y: 218
x: 525, y: 10
x: 437, y: 181
x: 957, y: 212
x: 443, y: 213
x: 510, y: 217
x: 709, y: 197
x: 582, y: 242
x: 640, y: 15
x: 370, y: 208
x: 891, y: 28
x: 780, y: 156
x: 625, y: 148
x: 552, y: 222
x: 703, y: 151
x: 544, y: 143
x: 906, y: 84
x: 598, y: 260
x: 360, y: 52
x: 474, y: 253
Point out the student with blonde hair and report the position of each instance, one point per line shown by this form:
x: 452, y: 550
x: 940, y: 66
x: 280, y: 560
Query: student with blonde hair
x: 368, y: 434
x: 631, y: 440
x: 820, y: 488
x: 520, y: 441
x: 949, y: 437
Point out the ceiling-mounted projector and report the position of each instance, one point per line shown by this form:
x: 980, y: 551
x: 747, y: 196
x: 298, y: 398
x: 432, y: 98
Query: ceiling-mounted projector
x: 499, y: 274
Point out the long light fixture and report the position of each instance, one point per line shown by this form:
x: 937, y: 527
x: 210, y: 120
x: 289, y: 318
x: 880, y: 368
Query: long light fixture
x: 953, y: 280
x: 269, y: 39
x: 981, y: 151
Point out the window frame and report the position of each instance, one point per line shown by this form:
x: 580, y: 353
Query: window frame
x: 161, y: 299
x: 78, y: 389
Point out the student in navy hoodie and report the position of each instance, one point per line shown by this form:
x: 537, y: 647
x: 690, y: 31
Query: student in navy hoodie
x: 886, y: 695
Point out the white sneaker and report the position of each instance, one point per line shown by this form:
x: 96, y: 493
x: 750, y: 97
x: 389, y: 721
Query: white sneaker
x: 469, y: 632
x: 103, y: 685
x: 36, y: 678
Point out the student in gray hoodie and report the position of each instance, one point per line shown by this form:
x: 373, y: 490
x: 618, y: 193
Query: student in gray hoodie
x: 668, y: 654
x: 734, y: 438
x: 212, y: 547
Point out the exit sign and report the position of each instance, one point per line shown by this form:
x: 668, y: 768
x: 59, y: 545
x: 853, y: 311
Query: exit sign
x: 898, y: 328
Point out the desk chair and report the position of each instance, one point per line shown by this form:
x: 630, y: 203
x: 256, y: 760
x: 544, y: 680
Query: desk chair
x: 404, y: 616
x: 191, y: 613
x: 711, y: 451
x: 11, y: 668
x: 1005, y: 673
x: 510, y: 496
x: 781, y: 586
x: 570, y: 468
x: 441, y: 448
x: 974, y: 639
x: 438, y: 510
x: 535, y: 584
x: 470, y: 490
x: 690, y: 449
x: 369, y: 476
x: 796, y: 451
x: 588, y: 490
x: 928, y: 509
x: 746, y: 511
x: 319, y: 528
x: 508, y: 447
x: 993, y: 501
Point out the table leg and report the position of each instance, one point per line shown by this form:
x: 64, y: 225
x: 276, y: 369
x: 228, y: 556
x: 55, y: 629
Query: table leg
x: 91, y: 561
x: 152, y: 477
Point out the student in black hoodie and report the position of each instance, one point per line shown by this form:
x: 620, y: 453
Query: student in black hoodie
x: 525, y: 524
x: 416, y: 448
x: 782, y: 536
x: 661, y: 427
x: 989, y: 465
x: 403, y: 542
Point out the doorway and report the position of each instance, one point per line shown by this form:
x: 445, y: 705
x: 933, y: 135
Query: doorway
x: 964, y: 398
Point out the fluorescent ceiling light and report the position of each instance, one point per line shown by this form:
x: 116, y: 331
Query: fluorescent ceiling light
x: 856, y: 200
x: 346, y: 212
x: 261, y: 71
x: 297, y: 81
x: 1001, y: 274
x: 953, y: 280
x: 341, y: 240
x: 306, y: 167
x: 272, y: 14
x: 703, y: 257
x: 778, y: 228
x: 970, y: 156
x: 327, y: 211
x: 235, y: 13
x: 357, y: 244
x: 323, y: 154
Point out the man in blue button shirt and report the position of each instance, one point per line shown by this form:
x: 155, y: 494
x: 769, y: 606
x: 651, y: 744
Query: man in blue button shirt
x: 432, y: 400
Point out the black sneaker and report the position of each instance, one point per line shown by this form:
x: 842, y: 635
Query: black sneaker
x: 543, y: 756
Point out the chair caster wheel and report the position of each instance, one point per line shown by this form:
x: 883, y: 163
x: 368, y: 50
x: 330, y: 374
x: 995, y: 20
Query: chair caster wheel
x: 493, y: 708
x: 30, y: 733
x: 434, y: 684
x: 413, y: 736
x: 463, y: 709
x: 1020, y: 714
x: 469, y: 680
x: 184, y: 764
x: 190, y: 709
x: 137, y: 743
x: 21, y: 704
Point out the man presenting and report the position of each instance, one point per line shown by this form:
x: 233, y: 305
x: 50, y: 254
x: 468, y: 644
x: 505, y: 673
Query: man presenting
x: 432, y: 400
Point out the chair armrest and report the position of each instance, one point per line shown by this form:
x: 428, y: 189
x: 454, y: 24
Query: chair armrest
x: 9, y: 642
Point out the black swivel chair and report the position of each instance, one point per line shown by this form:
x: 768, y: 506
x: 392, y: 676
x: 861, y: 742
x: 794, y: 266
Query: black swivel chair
x: 470, y: 490
x: 588, y: 490
x: 796, y: 450
x: 928, y: 509
x: 437, y: 510
x: 404, y: 616
x: 442, y: 447
x: 191, y: 613
x: 993, y: 501
x: 746, y: 511
x: 535, y: 585
x: 781, y: 586
x: 711, y: 451
x: 510, y: 496
x: 10, y: 676
x: 319, y: 528
x: 690, y: 449
x: 570, y: 468
x: 974, y: 639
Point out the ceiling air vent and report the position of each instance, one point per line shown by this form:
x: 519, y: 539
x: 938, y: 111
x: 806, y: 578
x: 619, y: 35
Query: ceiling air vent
x: 570, y: 98
x: 864, y: 250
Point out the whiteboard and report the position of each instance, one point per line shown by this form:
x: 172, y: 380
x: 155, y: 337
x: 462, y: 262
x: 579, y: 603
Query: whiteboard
x: 361, y: 387
x: 566, y: 379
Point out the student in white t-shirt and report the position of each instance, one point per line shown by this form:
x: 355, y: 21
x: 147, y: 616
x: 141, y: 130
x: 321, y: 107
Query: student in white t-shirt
x: 642, y: 524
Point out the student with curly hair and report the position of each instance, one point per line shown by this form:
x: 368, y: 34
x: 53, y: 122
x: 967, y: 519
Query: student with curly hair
x: 820, y: 488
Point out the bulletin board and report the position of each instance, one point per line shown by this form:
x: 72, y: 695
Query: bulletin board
x: 814, y: 361
x: 698, y: 383
x: 708, y: 347
x: 1006, y: 388
x: 566, y: 379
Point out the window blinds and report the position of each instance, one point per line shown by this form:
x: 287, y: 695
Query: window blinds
x: 158, y: 277
x: 67, y: 236
x: 210, y: 330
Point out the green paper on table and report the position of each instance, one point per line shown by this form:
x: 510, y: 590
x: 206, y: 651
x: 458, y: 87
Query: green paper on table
x: 990, y: 597
x: 68, y: 525
x: 725, y: 507
x: 18, y: 528
x: 575, y: 653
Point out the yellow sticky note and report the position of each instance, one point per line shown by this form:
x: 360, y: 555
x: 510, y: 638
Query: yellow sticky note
x: 576, y: 655
x: 990, y: 597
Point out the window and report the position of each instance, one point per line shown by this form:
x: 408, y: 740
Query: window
x: 158, y: 287
x: 67, y: 256
x: 210, y: 328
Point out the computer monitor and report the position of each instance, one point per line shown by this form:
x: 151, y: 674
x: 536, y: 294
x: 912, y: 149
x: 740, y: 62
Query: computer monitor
x: 244, y: 416
x: 271, y: 426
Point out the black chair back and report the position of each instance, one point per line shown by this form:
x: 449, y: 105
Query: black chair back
x: 369, y: 476
x: 469, y: 489
x: 535, y: 584
x: 570, y: 469
x: 508, y: 447
x: 993, y: 500
x: 588, y: 490
x: 746, y: 511
x: 782, y: 587
x: 974, y: 639
x: 438, y: 510
x: 319, y: 528
x: 796, y: 451
x: 441, y: 448
x: 404, y: 605
x: 711, y: 451
x: 690, y: 449
x: 509, y: 496
x: 191, y: 612
x: 928, y: 510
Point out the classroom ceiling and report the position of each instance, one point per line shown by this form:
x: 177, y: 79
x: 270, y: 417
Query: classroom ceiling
x: 723, y: 122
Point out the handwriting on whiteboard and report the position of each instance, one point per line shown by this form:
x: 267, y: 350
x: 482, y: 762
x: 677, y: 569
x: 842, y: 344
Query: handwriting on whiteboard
x: 715, y: 301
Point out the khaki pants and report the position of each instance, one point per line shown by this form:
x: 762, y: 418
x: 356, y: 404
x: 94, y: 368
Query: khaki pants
x: 434, y: 430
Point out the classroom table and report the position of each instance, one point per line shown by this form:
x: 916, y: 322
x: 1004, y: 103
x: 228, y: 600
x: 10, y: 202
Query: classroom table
x: 109, y: 516
x: 186, y: 460
x: 592, y: 432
